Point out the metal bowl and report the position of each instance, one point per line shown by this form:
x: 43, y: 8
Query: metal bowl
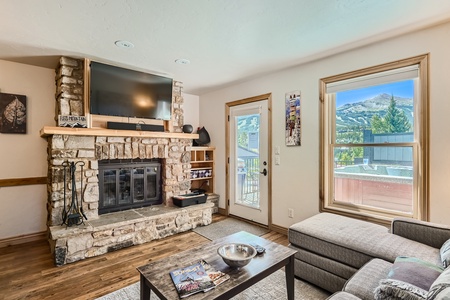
x: 236, y: 255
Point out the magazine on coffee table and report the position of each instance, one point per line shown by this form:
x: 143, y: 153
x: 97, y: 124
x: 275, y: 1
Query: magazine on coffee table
x: 199, y: 277
x: 191, y: 279
x: 216, y: 276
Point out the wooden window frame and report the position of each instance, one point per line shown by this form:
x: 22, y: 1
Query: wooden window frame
x: 421, y: 160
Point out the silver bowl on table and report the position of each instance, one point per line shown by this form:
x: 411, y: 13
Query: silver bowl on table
x: 236, y: 255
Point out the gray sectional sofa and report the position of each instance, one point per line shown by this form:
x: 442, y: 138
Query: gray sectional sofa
x: 350, y: 257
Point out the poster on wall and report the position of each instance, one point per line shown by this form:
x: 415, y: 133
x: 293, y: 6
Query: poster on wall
x: 13, y: 113
x: 293, y: 120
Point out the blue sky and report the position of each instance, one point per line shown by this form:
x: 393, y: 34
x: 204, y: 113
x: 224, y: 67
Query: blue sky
x: 401, y: 89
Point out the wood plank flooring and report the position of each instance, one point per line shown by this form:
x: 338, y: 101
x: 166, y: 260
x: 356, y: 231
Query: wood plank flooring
x: 27, y: 270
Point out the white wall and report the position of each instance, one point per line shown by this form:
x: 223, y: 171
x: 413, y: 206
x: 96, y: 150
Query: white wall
x: 191, y: 110
x: 23, y: 208
x: 296, y: 181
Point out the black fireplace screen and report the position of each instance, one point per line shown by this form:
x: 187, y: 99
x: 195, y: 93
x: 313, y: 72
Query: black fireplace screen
x: 128, y: 184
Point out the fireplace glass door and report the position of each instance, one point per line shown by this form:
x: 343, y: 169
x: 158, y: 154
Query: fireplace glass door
x: 128, y: 185
x: 124, y: 187
x: 138, y: 184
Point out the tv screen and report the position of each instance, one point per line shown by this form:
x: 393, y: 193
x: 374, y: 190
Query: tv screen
x: 121, y: 92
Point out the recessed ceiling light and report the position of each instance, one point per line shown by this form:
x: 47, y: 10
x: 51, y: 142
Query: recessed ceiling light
x: 124, y: 44
x: 183, y: 61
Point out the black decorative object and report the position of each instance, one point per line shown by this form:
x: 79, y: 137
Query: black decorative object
x: 187, y: 128
x: 203, y: 137
x: 72, y: 213
x: 189, y: 199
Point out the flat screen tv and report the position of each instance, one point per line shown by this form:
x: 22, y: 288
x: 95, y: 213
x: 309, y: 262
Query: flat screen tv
x: 116, y: 91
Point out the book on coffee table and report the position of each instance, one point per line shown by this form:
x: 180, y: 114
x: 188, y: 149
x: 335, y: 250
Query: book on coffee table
x: 191, y: 279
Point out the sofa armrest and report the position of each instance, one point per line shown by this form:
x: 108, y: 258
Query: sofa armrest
x: 427, y: 233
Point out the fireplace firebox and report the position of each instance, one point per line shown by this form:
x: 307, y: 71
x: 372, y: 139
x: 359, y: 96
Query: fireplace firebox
x: 127, y: 184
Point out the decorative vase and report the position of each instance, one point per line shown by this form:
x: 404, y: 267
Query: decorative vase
x: 187, y: 128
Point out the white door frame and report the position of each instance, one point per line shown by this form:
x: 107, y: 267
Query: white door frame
x: 228, y: 106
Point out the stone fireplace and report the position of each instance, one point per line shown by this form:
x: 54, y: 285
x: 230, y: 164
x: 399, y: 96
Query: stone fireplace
x: 104, y: 233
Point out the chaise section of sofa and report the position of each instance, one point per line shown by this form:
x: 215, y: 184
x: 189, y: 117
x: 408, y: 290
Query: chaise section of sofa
x: 332, y: 248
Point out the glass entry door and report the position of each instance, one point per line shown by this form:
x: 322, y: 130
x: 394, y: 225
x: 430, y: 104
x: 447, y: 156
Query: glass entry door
x: 249, y: 164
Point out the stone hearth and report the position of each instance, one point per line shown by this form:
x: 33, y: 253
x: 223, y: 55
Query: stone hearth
x: 111, y: 232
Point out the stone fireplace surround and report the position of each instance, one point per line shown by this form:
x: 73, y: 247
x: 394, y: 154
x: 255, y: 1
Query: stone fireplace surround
x: 109, y: 232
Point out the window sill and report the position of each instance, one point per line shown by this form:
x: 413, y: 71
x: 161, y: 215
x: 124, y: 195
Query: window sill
x: 374, y: 216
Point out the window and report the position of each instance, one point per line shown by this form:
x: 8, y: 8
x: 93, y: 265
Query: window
x: 374, y: 144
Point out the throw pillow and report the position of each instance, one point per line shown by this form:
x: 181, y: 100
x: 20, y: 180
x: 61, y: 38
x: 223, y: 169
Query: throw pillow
x: 445, y: 254
x: 414, y: 271
x: 395, y: 290
x: 409, y: 278
x: 440, y: 289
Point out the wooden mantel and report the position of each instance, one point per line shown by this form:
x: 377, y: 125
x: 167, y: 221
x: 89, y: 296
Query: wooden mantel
x: 50, y: 130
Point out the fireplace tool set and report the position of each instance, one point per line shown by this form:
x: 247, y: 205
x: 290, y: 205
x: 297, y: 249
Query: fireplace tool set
x: 72, y: 213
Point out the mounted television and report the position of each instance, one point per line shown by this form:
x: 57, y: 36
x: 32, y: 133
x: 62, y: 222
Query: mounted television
x: 122, y: 92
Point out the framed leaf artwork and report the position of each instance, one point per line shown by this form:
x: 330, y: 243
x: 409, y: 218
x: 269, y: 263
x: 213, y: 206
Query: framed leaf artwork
x: 13, y: 113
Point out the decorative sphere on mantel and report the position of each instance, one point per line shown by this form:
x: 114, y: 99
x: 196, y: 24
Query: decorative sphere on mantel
x: 187, y: 128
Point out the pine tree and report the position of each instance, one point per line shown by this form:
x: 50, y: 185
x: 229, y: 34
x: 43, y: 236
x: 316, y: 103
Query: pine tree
x: 395, y: 120
x: 378, y: 124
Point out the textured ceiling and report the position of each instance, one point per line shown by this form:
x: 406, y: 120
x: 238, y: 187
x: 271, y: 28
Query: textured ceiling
x: 227, y: 41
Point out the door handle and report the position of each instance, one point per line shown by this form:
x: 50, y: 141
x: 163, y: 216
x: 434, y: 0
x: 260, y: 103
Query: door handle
x: 264, y: 172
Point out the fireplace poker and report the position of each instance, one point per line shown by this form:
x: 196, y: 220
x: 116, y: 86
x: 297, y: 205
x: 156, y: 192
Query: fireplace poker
x: 64, y: 211
x: 74, y: 214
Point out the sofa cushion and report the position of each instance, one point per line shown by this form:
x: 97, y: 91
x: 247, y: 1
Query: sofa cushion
x: 440, y: 289
x: 335, y: 236
x: 355, y: 242
x: 445, y: 254
x: 393, y: 245
x: 364, y: 282
x: 342, y: 296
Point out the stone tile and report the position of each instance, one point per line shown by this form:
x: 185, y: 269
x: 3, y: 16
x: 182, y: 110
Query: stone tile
x: 114, y: 220
x: 58, y: 232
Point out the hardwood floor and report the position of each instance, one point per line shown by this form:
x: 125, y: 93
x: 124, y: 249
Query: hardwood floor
x: 27, y: 270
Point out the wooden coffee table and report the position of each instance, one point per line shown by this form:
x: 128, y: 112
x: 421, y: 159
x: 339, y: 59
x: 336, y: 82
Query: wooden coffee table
x: 155, y: 276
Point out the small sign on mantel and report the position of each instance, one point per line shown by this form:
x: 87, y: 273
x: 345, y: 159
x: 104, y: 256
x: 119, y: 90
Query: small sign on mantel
x: 72, y: 121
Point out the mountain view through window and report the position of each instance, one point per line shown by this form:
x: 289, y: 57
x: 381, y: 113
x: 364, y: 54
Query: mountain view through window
x: 373, y: 154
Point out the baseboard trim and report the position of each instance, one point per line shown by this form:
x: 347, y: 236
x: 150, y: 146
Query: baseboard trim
x: 223, y: 211
x: 248, y: 221
x: 279, y: 229
x: 273, y: 227
x: 26, y: 238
